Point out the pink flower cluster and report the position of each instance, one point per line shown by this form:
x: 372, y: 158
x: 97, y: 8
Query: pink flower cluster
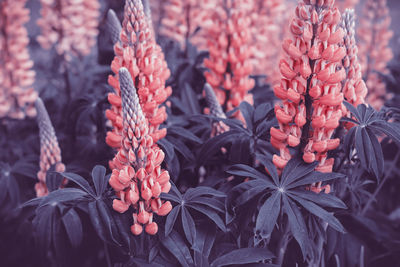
x: 374, y: 35
x: 310, y: 88
x: 69, y: 25
x: 17, y: 96
x: 137, y: 51
x: 50, y: 153
x: 354, y: 87
x: 229, y: 64
x: 137, y: 177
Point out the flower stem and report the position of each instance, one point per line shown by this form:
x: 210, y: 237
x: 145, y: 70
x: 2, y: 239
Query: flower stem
x: 107, y: 253
x: 373, y: 197
x: 282, y: 245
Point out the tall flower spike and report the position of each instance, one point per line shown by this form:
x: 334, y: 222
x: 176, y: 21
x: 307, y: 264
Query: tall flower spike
x: 17, y: 96
x: 215, y: 109
x: 354, y: 88
x: 138, y: 178
x: 138, y: 52
x: 310, y: 87
x: 229, y: 64
x: 50, y: 153
x: 182, y: 18
x: 69, y: 25
x: 113, y: 26
x: 374, y: 35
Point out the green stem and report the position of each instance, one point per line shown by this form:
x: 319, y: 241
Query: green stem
x: 107, y: 253
x: 282, y: 245
x: 373, y: 197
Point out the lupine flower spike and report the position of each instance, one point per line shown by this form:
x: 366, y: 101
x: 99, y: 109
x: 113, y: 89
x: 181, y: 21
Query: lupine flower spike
x: 138, y: 178
x: 229, y: 62
x: 17, y: 96
x: 354, y: 88
x: 138, y: 52
x: 374, y: 35
x: 50, y: 153
x: 344, y: 4
x: 182, y: 18
x: 310, y: 88
x: 69, y: 25
x: 214, y: 109
x: 269, y: 26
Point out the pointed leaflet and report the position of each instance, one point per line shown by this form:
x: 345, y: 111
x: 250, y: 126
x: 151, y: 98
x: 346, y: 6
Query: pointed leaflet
x: 73, y: 227
x: 361, y: 148
x: 192, y: 193
x: 262, y: 111
x: 53, y: 180
x: 390, y: 129
x: 296, y: 170
x: 247, y: 111
x: 353, y: 110
x: 325, y: 200
x: 210, y: 214
x: 99, y: 179
x: 204, y: 242
x: 176, y: 245
x: 377, y: 153
x: 320, y: 212
x: 315, y: 177
x: 247, y: 171
x: 213, y: 203
x: 102, y: 227
x: 79, y: 181
x: 348, y: 141
x: 182, y: 132
x: 268, y: 214
x: 297, y: 225
x: 267, y: 162
x: 63, y: 195
x: 171, y: 218
x: 188, y: 226
x: 255, y: 187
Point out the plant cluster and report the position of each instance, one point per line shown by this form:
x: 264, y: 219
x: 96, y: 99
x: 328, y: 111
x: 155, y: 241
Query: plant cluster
x: 198, y: 133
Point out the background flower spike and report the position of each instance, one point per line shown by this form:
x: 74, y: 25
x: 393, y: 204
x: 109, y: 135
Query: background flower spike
x: 50, y: 153
x: 212, y: 102
x: 113, y: 26
x: 17, y: 96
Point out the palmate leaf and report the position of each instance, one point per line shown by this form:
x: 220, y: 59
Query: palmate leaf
x: 288, y: 194
x: 241, y: 139
x: 367, y: 122
x: 205, y: 200
x: 57, y: 208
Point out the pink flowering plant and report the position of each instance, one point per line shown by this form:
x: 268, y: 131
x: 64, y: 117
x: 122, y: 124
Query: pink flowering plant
x: 199, y: 133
